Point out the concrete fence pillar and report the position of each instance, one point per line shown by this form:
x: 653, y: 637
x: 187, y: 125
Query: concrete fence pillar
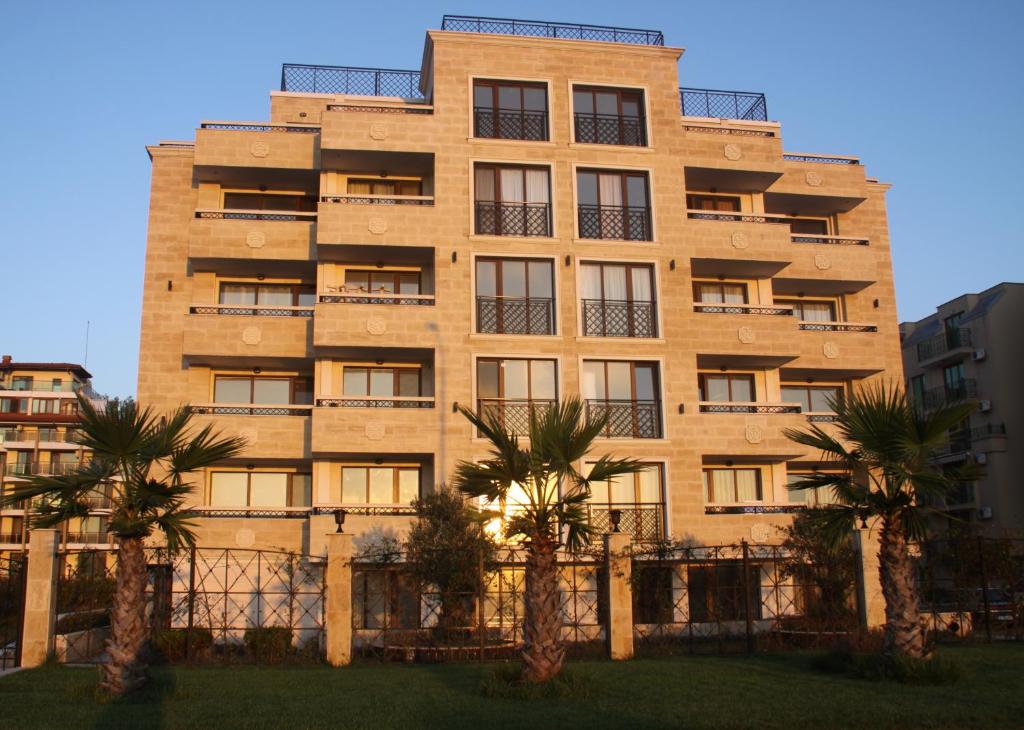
x: 338, y: 611
x: 620, y: 596
x: 870, y: 600
x: 40, y: 598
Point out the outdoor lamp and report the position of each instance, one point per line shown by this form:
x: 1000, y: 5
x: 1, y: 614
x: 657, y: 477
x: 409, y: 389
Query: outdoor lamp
x: 615, y: 515
x: 339, y: 519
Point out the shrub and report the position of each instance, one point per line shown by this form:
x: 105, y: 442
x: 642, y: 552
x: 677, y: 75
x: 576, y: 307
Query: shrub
x: 169, y: 644
x: 269, y: 644
x: 902, y: 669
x: 82, y: 621
x: 506, y: 682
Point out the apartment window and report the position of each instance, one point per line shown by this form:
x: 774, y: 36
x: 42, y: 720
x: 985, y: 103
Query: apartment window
x: 380, y: 484
x: 917, y: 389
x: 730, y: 486
x: 809, y: 226
x: 384, y: 187
x: 14, y: 405
x: 639, y: 498
x: 21, y: 382
x: 618, y: 300
x: 262, y: 390
x: 717, y: 292
x: 382, y: 282
x: 812, y: 398
x: 627, y: 394
x: 811, y: 311
x: 609, y: 116
x: 260, y: 489
x: 515, y: 296
x: 718, y: 203
x: 512, y: 200
x: 270, y: 201
x: 258, y: 294
x: 613, y: 205
x: 513, y: 389
x: 382, y: 382
x: 727, y: 388
x: 510, y: 110
x: 45, y: 405
x: 809, y: 496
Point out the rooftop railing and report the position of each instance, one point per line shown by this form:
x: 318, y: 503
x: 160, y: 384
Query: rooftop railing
x: 715, y: 103
x: 951, y: 340
x: 541, y: 29
x: 350, y: 80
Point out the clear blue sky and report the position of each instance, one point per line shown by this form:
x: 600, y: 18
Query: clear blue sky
x: 929, y: 94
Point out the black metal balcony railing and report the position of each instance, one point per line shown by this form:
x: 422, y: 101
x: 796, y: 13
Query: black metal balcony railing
x: 387, y: 298
x: 726, y: 407
x: 619, y: 318
x: 961, y: 390
x: 615, y: 222
x: 715, y: 103
x: 47, y: 435
x: 260, y: 311
x: 820, y: 159
x: 378, y: 199
x: 495, y: 218
x: 961, y: 441
x: 250, y: 410
x: 741, y: 309
x: 541, y: 29
x: 514, y: 316
x: 950, y: 340
x: 10, y: 538
x: 638, y: 419
x: 256, y: 215
x: 89, y: 538
x: 397, y: 401
x: 838, y: 327
x: 514, y: 415
x: 350, y: 80
x: 610, y: 129
x: 829, y: 240
x: 522, y: 124
x: 643, y: 522
x: 34, y: 468
x: 238, y: 127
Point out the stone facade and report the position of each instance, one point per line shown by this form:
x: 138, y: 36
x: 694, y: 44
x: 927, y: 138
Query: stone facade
x: 196, y: 245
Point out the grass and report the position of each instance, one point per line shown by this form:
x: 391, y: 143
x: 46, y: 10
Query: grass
x: 764, y: 691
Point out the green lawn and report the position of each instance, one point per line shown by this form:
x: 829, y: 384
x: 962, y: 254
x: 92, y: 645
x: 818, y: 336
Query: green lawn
x: 763, y: 691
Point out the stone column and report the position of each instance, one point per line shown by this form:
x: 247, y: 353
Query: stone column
x: 40, y: 598
x: 870, y: 601
x: 620, y: 596
x: 338, y: 611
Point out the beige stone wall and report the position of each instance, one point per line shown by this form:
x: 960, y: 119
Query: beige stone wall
x: 761, y: 253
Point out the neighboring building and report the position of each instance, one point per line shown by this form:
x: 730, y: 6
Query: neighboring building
x: 38, y: 415
x: 522, y: 219
x: 971, y: 348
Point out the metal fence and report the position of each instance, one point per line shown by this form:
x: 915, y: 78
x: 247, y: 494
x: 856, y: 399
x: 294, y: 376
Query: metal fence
x: 353, y: 80
x: 13, y: 573
x: 716, y: 103
x: 542, y: 29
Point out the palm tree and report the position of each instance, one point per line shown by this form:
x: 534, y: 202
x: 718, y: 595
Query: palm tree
x: 880, y: 466
x: 552, y: 494
x: 139, y: 462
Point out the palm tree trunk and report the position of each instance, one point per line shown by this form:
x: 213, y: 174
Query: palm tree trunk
x: 126, y: 670
x: 904, y: 634
x: 542, y: 621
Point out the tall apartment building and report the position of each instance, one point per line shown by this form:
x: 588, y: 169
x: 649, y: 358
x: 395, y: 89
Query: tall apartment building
x: 970, y: 348
x: 539, y: 211
x: 38, y: 415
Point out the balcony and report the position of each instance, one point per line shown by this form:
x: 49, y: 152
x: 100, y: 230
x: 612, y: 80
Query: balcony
x: 619, y: 318
x: 962, y: 390
x: 610, y: 129
x: 342, y: 430
x: 962, y: 441
x: 949, y: 344
x: 32, y: 385
x: 512, y: 219
x: 387, y: 126
x: 89, y: 538
x: 514, y: 415
x: 237, y: 310
x: 218, y: 234
x: 374, y: 321
x: 631, y: 419
x: 837, y: 327
x: 13, y: 538
x: 220, y: 144
x: 542, y: 29
x: 248, y: 409
x: 394, y: 224
x: 285, y: 333
x: 615, y: 222
x: 717, y: 104
x: 267, y: 436
x: 515, y: 316
x: 642, y: 522
x: 740, y: 407
x: 350, y: 80
x: 372, y: 401
x: 36, y: 468
x: 774, y: 311
x: 523, y: 124
x: 255, y: 215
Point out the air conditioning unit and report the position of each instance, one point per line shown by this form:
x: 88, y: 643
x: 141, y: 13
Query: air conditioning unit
x: 981, y: 457
x: 984, y: 406
x: 984, y: 513
x: 978, y: 355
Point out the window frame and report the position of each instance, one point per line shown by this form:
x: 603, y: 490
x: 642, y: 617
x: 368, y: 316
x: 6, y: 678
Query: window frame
x: 395, y: 274
x: 309, y: 199
x: 708, y: 484
x: 396, y: 371
x: 624, y: 175
x: 797, y: 303
x: 297, y: 290
x: 693, y: 198
x: 293, y: 380
x: 495, y: 108
x: 529, y: 360
x: 703, y: 388
x: 496, y: 167
x: 840, y: 391
x: 698, y: 284
x: 499, y: 295
x: 396, y: 469
x: 248, y: 488
x: 620, y: 92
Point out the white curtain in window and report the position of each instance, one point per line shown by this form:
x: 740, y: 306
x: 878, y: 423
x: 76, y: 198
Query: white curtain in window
x: 611, y: 189
x: 817, y: 312
x: 642, y: 285
x: 228, y: 489
x: 592, y: 384
x: 536, y: 186
x: 746, y: 485
x: 512, y: 186
x: 484, y: 184
x: 615, y: 283
x: 268, y: 489
x: 590, y: 281
x: 734, y: 294
x: 359, y: 187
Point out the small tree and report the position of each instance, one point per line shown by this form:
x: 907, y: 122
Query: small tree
x: 826, y: 572
x: 446, y: 548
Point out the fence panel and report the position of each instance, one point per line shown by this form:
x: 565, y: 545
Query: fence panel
x: 13, y: 573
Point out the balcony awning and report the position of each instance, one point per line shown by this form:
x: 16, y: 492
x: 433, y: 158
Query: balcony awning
x: 817, y: 287
x: 755, y: 362
x: 733, y: 181
x: 741, y: 268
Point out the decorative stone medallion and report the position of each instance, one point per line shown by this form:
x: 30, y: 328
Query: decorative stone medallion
x: 378, y: 131
x: 740, y: 240
x: 822, y: 261
x: 745, y: 334
x: 753, y: 434
x: 245, y: 537
x: 733, y: 152
x: 252, y: 336
x: 255, y: 239
x: 251, y: 435
x: 377, y: 225
x: 374, y: 431
x: 760, y: 532
x: 376, y: 326
x: 830, y: 350
x: 813, y: 178
x: 259, y: 148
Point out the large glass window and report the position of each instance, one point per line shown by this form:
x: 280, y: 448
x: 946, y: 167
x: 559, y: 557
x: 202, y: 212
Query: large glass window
x: 384, y: 382
x: 727, y: 388
x: 642, y: 487
x: 728, y: 485
x: 512, y: 200
x: 609, y: 116
x: 809, y: 226
x: 812, y: 398
x: 512, y: 390
x: 267, y: 295
x: 618, y: 300
x: 381, y: 484
x: 382, y: 282
x: 625, y: 393
x: 811, y: 310
x: 717, y: 292
x: 809, y: 496
x: 515, y: 296
x: 510, y: 110
x: 260, y: 489
x: 262, y: 390
x: 384, y: 187
x: 613, y: 205
x: 21, y: 382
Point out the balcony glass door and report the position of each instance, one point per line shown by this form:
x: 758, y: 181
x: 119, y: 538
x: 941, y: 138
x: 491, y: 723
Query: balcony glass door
x: 511, y: 389
x: 510, y: 110
x: 512, y: 201
x: 515, y: 296
x: 618, y: 300
x: 613, y: 205
x: 627, y: 393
